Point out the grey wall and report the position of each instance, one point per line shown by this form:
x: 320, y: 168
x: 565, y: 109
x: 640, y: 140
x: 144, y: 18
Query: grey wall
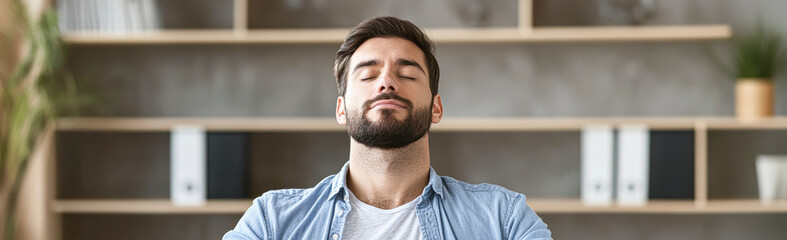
x: 566, y: 79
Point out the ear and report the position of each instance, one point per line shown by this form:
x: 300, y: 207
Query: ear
x: 341, y: 115
x: 437, y: 109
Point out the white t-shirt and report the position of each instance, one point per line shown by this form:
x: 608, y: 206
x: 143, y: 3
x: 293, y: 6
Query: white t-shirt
x: 369, y: 222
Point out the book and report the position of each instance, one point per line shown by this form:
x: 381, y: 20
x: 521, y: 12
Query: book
x: 107, y: 16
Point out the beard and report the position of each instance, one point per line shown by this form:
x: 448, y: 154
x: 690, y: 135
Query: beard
x: 389, y: 132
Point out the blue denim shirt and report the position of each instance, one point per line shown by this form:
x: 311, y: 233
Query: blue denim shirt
x: 447, y: 209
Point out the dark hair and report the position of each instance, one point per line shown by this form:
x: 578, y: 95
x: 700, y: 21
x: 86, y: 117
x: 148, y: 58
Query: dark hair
x: 384, y: 27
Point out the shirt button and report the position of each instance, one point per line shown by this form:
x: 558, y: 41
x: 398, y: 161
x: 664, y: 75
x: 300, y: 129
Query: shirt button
x: 339, y: 212
x: 335, y: 236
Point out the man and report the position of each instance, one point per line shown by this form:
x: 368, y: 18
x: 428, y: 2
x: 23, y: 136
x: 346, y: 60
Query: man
x: 387, y: 78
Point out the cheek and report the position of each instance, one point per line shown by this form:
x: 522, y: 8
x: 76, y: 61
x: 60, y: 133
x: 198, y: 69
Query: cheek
x: 355, y: 92
x: 352, y: 103
x: 422, y: 99
x: 357, y: 84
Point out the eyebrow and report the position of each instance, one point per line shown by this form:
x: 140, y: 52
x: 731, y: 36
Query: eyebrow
x: 366, y: 63
x: 400, y: 62
x: 408, y: 62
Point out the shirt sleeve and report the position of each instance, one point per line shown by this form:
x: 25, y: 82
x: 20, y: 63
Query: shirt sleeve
x: 524, y: 224
x: 253, y: 225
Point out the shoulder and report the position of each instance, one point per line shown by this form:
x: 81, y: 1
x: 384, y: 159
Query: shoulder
x: 481, y: 191
x: 279, y: 213
x: 283, y: 207
x: 494, y: 204
x: 484, y: 198
x: 295, y: 197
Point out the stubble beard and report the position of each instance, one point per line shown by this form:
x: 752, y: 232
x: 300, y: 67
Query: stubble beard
x: 389, y: 132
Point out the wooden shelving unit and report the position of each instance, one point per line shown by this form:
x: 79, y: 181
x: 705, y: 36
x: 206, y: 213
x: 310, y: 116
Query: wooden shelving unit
x: 552, y: 206
x: 524, y: 32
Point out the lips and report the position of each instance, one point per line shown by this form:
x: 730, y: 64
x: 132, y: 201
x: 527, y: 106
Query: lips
x: 388, y: 103
x: 387, y: 100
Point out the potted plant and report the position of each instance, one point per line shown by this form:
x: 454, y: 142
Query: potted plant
x: 34, y: 89
x: 756, y: 57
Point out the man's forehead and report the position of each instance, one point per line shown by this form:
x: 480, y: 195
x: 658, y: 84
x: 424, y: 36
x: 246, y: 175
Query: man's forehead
x: 387, y: 49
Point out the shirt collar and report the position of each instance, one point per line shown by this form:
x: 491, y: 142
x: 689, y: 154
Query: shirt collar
x: 339, y: 182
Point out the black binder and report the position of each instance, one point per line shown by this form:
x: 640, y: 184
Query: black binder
x: 228, y: 154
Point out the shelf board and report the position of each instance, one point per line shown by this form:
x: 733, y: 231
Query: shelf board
x: 147, y: 206
x: 546, y: 206
x: 211, y: 124
x: 446, y: 35
x: 779, y: 122
x: 586, y: 34
x: 491, y: 124
x: 732, y: 206
x: 210, y: 36
x: 496, y: 124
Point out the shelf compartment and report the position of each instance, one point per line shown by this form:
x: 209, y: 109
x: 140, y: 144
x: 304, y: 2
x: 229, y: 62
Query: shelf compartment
x: 732, y: 160
x: 469, y: 35
x: 103, y: 165
x: 540, y: 205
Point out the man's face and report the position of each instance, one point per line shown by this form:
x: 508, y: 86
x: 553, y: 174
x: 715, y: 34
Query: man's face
x: 388, y: 102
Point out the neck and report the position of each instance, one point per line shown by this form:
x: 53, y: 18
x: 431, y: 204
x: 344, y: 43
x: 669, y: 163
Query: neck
x: 388, y: 178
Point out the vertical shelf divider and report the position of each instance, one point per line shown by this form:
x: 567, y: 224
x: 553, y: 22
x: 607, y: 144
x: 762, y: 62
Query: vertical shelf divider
x: 701, y: 163
x: 240, y: 23
x: 35, y: 218
x: 54, y: 220
x: 525, y: 16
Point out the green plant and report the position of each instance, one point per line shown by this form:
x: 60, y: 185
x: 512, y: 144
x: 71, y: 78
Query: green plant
x: 756, y: 55
x: 31, y: 96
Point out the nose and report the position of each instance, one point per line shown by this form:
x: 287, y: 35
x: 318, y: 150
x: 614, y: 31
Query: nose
x: 387, y: 82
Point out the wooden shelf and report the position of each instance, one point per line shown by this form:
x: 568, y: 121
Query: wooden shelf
x: 551, y: 206
x: 779, y: 122
x: 587, y: 34
x: 148, y: 206
x: 493, y: 124
x: 469, y: 35
x: 210, y: 36
x: 211, y: 124
x: 448, y: 124
x: 736, y: 206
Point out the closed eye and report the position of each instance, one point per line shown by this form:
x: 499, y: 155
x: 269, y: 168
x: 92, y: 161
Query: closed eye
x: 368, y: 78
x: 406, y: 77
